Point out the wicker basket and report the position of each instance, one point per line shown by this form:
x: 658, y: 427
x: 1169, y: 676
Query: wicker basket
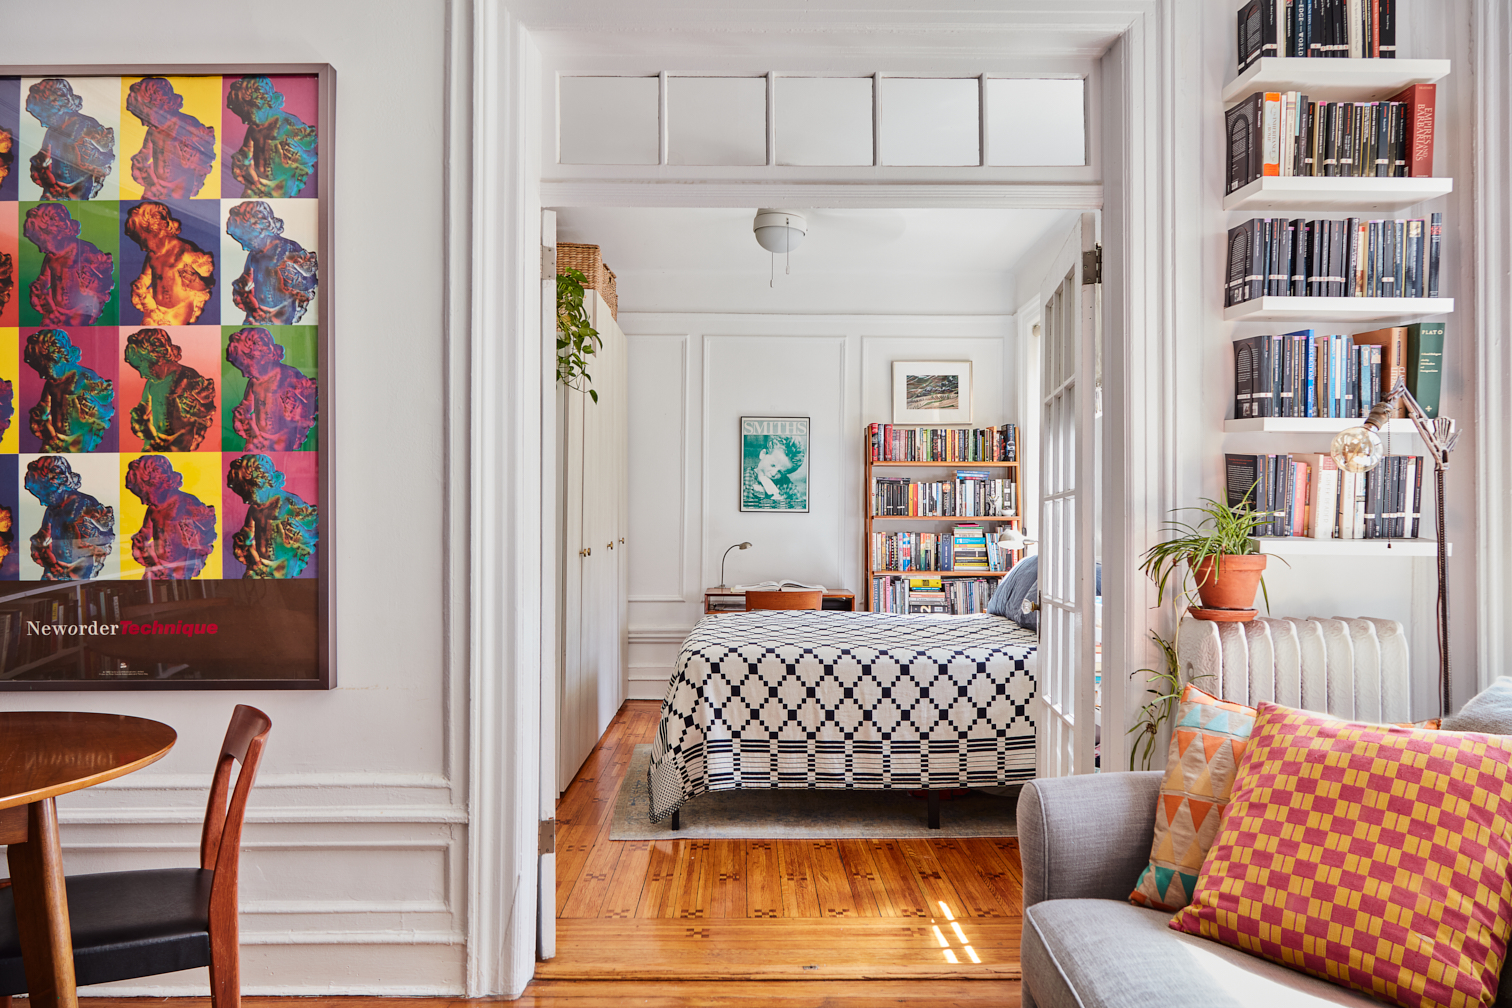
x: 587, y: 260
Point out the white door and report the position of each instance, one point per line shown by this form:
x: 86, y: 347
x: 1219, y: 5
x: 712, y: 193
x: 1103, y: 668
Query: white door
x: 1066, y: 664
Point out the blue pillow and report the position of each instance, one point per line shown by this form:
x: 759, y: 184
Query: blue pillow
x: 1019, y: 583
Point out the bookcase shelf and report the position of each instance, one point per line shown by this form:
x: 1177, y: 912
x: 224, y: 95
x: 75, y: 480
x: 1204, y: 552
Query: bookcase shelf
x: 1336, y: 309
x: 944, y: 573
x: 1004, y: 519
x: 953, y: 465
x: 1302, y: 546
x: 1333, y: 193
x: 1308, y: 425
x: 1335, y: 79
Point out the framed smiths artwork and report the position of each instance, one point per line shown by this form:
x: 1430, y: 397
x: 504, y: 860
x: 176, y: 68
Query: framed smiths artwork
x: 931, y: 392
x: 165, y: 236
x: 774, y: 469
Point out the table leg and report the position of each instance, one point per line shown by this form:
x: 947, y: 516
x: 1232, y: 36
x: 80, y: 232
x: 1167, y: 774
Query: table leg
x: 933, y: 797
x: 36, y: 868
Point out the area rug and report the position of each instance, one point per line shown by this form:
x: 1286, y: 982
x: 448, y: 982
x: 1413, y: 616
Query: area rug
x: 775, y: 814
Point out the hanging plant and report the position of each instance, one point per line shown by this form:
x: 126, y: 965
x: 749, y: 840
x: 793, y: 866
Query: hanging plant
x: 1153, y: 715
x: 576, y: 339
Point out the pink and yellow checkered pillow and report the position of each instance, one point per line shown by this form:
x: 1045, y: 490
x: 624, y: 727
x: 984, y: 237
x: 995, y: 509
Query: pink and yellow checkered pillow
x: 1373, y: 856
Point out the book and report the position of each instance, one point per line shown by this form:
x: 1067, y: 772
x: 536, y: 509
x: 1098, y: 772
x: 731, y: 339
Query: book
x: 783, y: 585
x: 1393, y: 344
x: 1323, y: 496
x: 1423, y: 368
x: 1435, y: 241
x: 1246, y: 258
x: 1418, y: 107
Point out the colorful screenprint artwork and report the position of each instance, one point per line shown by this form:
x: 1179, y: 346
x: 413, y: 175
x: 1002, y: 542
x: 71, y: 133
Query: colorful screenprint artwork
x: 68, y: 263
x: 68, y: 386
x: 268, y: 255
x: 269, y: 387
x: 68, y: 512
x: 170, y: 514
x: 10, y: 518
x: 270, y: 146
x: 68, y: 136
x: 169, y: 132
x: 10, y: 388
x: 10, y: 139
x: 774, y: 473
x: 11, y: 293
x: 168, y: 256
x: 168, y: 386
x: 272, y: 514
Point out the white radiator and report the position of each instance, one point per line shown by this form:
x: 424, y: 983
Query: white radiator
x: 1351, y: 668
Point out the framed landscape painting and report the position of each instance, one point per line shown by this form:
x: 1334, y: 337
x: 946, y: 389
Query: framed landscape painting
x: 165, y: 441
x: 774, y: 464
x: 931, y: 392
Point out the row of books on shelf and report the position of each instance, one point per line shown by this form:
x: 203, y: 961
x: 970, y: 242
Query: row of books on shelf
x: 1300, y: 374
x: 971, y: 494
x: 943, y: 444
x: 1275, y: 257
x: 969, y: 547
x: 1282, y: 133
x: 1345, y: 29
x: 892, y: 593
x: 1309, y: 495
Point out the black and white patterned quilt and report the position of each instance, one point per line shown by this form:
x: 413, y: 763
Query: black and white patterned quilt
x: 817, y: 699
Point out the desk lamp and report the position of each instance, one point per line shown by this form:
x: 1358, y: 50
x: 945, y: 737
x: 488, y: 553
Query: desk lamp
x: 1358, y: 450
x: 722, y: 585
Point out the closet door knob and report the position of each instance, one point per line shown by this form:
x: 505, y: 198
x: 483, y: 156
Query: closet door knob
x: 610, y: 544
x: 585, y: 552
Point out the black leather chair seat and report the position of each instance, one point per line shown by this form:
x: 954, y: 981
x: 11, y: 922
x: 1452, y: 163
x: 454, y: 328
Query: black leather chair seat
x: 125, y: 925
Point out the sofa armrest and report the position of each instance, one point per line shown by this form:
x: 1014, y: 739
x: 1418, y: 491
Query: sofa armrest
x: 1086, y: 837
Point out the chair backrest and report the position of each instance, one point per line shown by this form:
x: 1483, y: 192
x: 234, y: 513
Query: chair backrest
x: 784, y: 600
x: 220, y: 843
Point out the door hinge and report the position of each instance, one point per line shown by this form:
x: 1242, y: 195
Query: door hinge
x: 1092, y: 265
x: 547, y: 843
x: 548, y: 262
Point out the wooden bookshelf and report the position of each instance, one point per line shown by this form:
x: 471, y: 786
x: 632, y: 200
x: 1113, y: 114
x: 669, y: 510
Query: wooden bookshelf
x: 897, y: 523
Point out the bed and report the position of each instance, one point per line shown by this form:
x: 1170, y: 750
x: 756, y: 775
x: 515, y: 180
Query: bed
x: 821, y: 699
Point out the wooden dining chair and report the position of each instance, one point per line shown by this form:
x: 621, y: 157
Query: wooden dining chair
x: 784, y: 600
x: 142, y: 923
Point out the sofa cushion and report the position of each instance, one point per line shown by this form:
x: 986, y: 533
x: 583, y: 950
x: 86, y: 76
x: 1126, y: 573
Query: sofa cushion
x: 1206, y: 742
x: 1370, y: 855
x: 1489, y: 711
x: 1080, y: 953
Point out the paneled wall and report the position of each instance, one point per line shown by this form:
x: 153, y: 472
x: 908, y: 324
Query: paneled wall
x: 692, y: 376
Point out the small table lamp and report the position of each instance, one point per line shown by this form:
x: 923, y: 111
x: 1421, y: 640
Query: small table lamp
x: 722, y: 585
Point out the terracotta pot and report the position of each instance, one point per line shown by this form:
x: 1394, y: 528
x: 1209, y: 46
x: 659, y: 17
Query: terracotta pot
x: 1234, y: 582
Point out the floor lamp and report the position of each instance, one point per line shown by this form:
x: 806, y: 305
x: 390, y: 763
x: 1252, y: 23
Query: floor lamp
x: 1358, y: 449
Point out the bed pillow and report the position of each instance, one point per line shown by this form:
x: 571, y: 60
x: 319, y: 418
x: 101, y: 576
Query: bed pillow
x: 1372, y: 856
x: 1019, y: 583
x: 1489, y: 711
x: 1207, y: 741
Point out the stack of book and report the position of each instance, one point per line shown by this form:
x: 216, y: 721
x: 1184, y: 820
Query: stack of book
x: 1275, y: 257
x: 929, y: 551
x: 1300, y: 374
x: 892, y: 593
x: 969, y: 495
x: 1282, y: 133
x: 1309, y: 495
x: 943, y: 444
x: 1346, y: 29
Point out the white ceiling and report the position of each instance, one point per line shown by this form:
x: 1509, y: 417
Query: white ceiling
x: 953, y: 261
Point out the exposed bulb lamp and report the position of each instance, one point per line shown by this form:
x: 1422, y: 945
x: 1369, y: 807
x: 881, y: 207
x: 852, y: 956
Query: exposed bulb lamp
x: 722, y: 585
x: 779, y: 231
x: 1359, y: 449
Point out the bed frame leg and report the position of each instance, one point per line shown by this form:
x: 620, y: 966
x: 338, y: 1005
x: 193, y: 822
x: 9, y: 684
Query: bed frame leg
x: 677, y: 819
x: 933, y: 797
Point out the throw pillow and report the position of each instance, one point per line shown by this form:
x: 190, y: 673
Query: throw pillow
x: 1372, y: 856
x: 1007, y: 600
x: 1489, y: 711
x: 1206, y: 742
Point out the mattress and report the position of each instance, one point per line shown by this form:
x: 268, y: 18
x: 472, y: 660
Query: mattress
x: 819, y: 699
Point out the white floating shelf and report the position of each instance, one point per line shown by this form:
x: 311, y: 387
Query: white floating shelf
x: 1336, y: 309
x: 1307, y: 425
x: 1331, y: 79
x: 1301, y: 546
x: 1309, y: 192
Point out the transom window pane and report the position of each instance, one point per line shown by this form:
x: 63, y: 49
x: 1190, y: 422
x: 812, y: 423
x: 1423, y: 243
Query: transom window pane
x: 610, y: 120
x: 930, y: 121
x: 824, y: 120
x: 1035, y: 121
x: 716, y: 120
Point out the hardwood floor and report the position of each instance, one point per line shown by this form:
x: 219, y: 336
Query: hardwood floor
x: 634, y: 994
x: 804, y: 910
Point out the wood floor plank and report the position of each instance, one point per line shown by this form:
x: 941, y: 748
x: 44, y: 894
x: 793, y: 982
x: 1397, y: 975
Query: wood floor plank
x: 627, y: 881
x: 962, y: 861
x: 789, y: 994
x: 661, y: 872
x: 727, y: 879
x: 688, y: 896
x: 865, y: 884
x: 933, y: 883
x: 586, y: 898
x: 900, y: 880
x: 798, y: 899
x: 573, y: 846
x: 763, y: 879
x: 999, y: 867
x: 831, y: 881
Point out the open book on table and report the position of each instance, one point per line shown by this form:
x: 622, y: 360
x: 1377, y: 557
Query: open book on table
x: 779, y: 586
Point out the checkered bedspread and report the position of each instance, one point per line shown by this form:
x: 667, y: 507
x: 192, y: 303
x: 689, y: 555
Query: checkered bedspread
x: 814, y: 699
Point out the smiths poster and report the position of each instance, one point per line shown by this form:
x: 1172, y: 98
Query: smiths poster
x: 774, y: 470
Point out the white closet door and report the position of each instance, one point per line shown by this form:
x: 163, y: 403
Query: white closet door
x: 1066, y: 664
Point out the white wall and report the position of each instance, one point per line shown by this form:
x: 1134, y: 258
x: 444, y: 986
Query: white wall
x: 692, y: 376
x: 352, y: 881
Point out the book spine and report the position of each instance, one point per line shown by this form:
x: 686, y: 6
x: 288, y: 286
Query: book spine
x: 1424, y: 370
x: 1246, y: 376
x: 1310, y: 352
x: 1435, y: 241
x: 1399, y: 140
x: 1417, y: 497
x: 1270, y: 135
x: 1413, y: 276
x: 1388, y: 29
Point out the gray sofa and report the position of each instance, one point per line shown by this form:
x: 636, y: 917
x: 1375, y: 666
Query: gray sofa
x: 1084, y: 841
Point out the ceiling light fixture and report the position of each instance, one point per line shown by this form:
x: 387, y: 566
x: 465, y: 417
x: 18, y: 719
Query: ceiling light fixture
x: 779, y: 231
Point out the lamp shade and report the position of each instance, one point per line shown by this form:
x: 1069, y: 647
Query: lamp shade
x: 779, y: 230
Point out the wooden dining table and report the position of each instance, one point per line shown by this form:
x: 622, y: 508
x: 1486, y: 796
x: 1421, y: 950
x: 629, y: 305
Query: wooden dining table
x: 44, y: 754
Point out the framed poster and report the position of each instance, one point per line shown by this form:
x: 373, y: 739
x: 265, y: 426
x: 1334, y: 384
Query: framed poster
x: 931, y: 392
x: 774, y: 464
x: 165, y: 306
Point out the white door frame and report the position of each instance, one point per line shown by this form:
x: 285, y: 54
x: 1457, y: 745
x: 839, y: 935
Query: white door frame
x: 499, y: 578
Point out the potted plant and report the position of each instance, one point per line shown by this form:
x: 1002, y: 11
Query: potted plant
x: 1219, y: 552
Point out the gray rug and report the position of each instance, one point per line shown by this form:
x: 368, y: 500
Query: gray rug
x: 776, y: 814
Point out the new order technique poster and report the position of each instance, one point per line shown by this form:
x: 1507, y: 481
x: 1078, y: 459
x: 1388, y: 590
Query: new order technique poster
x: 774, y: 464
x: 164, y: 354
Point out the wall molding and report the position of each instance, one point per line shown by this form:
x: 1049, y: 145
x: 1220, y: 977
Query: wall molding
x: 823, y: 195
x: 148, y: 815
x: 659, y: 635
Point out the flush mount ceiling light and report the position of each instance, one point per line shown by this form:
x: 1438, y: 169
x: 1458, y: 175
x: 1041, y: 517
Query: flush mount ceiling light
x: 779, y: 231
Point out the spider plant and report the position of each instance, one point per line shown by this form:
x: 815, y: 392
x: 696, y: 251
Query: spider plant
x: 1146, y: 730
x: 1222, y: 530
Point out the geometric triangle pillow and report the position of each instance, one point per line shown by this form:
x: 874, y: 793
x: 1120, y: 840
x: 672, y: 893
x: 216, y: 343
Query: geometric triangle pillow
x: 1206, y: 742
x: 1373, y: 856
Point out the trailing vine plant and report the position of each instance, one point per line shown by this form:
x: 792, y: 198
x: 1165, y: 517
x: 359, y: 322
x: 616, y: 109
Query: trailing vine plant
x: 1154, y: 714
x: 576, y: 339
